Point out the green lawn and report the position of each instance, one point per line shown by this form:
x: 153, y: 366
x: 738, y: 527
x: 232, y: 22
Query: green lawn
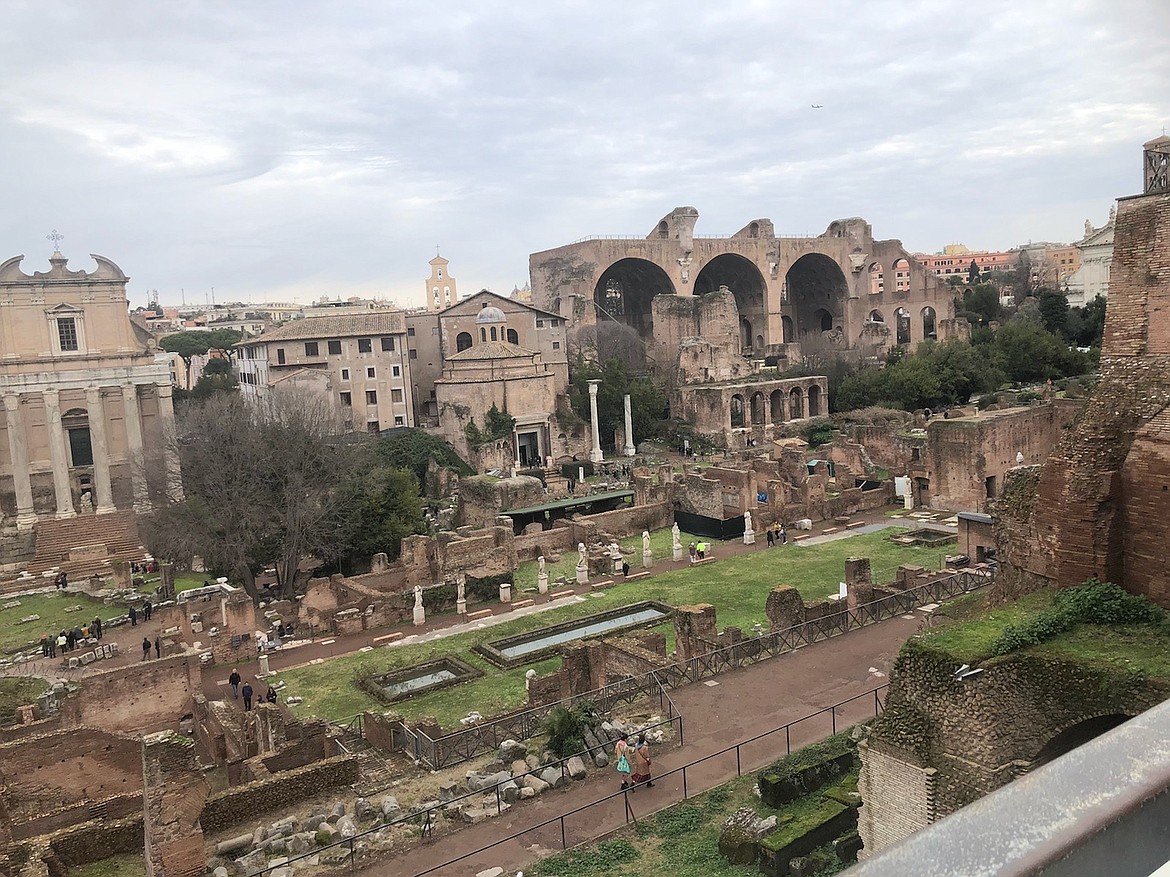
x: 130, y: 865
x: 737, y: 586
x: 17, y: 691
x: 51, y: 607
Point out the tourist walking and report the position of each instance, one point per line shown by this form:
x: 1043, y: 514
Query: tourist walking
x: 158, y: 647
x: 642, y: 763
x: 694, y: 552
x: 701, y: 550
x: 133, y: 613
x: 771, y: 537
x: 63, y: 642
x: 145, y: 648
x: 234, y: 682
x: 146, y: 610
x: 783, y: 535
x: 44, y: 645
x: 247, y: 692
x: 96, y: 627
x: 622, y: 750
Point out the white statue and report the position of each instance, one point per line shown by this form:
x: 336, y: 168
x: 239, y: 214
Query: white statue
x: 645, y: 540
x: 86, y: 503
x: 540, y: 565
x: 418, y: 597
x: 1019, y: 458
x: 747, y: 522
x: 582, y: 560
x: 461, y: 584
x: 675, y: 538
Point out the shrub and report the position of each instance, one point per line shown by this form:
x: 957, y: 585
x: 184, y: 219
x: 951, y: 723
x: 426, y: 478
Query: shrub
x: 566, y: 728
x: 985, y: 402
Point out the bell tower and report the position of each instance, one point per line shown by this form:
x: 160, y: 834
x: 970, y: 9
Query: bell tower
x: 440, y: 286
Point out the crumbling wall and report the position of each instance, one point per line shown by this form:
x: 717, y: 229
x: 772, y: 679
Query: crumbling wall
x: 174, y: 793
x: 139, y: 697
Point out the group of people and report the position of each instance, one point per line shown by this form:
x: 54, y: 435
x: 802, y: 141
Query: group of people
x: 146, y: 567
x: 633, y: 763
x: 242, y: 688
x: 62, y: 580
x: 68, y: 640
x: 146, y: 648
x: 777, y: 534
x: 698, y: 551
x: 147, y: 609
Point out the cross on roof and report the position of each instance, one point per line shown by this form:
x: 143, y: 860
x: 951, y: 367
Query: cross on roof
x: 56, y: 237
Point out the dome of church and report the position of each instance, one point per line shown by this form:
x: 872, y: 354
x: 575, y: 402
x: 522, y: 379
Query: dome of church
x: 490, y: 314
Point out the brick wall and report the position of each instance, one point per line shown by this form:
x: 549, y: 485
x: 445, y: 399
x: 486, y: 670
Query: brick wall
x: 139, y: 697
x: 888, y: 776
x: 241, y: 804
x: 92, y: 843
x: 73, y: 814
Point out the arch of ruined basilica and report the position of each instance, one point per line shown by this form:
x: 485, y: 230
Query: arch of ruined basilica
x: 755, y: 295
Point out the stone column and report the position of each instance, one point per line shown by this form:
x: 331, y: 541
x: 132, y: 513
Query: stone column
x: 58, y: 455
x: 18, y: 451
x: 595, y: 455
x: 166, y: 413
x: 104, y: 494
x: 629, y: 449
x: 134, y: 448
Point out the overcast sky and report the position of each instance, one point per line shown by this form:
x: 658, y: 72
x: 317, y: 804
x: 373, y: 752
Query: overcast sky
x: 274, y: 150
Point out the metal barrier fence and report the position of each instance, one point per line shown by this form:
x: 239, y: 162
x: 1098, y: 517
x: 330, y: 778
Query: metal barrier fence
x: 684, y: 786
x: 465, y: 743
x: 425, y: 816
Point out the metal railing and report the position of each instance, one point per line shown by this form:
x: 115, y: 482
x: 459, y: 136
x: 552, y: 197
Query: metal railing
x: 425, y: 816
x: 687, y: 789
x: 465, y: 743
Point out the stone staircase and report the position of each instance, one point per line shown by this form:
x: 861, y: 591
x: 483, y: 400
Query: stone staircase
x: 56, y: 540
x: 556, y: 483
x: 377, y: 770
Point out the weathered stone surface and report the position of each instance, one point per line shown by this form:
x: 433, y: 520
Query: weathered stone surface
x: 510, y: 792
x: 346, y: 826
x: 390, y: 808
x: 234, y: 845
x: 532, y: 761
x: 575, y: 768
x: 299, y: 844
x: 363, y: 810
x: 600, y: 759
x: 554, y: 777
x: 526, y: 793
x: 535, y: 783
x: 510, y: 750
x: 336, y: 811
x: 737, y: 839
x: 312, y: 823
x: 253, y: 863
x: 221, y: 871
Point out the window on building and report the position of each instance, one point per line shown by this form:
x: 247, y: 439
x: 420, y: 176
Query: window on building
x: 67, y: 333
x: 396, y: 371
x: 414, y: 354
x: 311, y: 348
x: 462, y: 341
x: 371, y: 397
x: 434, y: 330
x: 346, y: 398
x: 280, y: 356
x: 345, y: 374
x: 513, y: 336
x: 540, y: 324
x: 399, y: 420
x: 395, y: 395
x: 432, y: 394
x: 388, y: 343
x: 482, y: 333
x: 364, y: 345
x: 334, y: 348
x: 495, y: 337
x: 80, y: 446
x: 373, y: 426
x: 410, y: 332
x: 556, y: 345
x: 439, y: 273
x: 370, y: 371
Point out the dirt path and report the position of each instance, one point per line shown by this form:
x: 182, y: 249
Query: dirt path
x: 740, y: 705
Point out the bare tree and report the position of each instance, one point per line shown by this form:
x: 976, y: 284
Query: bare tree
x: 264, y: 484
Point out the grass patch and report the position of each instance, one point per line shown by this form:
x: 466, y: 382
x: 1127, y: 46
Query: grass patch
x: 976, y: 628
x: 16, y: 691
x: 737, y: 586
x: 15, y: 636
x: 129, y: 865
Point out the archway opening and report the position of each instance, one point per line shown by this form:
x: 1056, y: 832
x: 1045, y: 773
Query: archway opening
x: 796, y: 404
x: 877, y: 279
x: 745, y: 281
x: 745, y: 333
x: 814, y: 401
x: 876, y: 317
x: 757, y: 409
x: 928, y: 323
x: 513, y: 337
x: 901, y: 275
x: 816, y: 286
x: 736, y: 411
x: 625, y: 289
x: 462, y: 341
x: 778, y: 401
x: 1070, y: 738
x: 902, y: 319
x: 789, y: 329
x: 495, y: 337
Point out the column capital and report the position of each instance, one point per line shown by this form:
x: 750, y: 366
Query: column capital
x: 51, y: 396
x: 12, y: 401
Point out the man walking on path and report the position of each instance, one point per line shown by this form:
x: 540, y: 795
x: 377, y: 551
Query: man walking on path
x: 783, y: 535
x: 145, y: 649
x: 133, y: 613
x: 146, y: 609
x: 246, y: 691
x: 234, y: 682
x: 771, y: 537
x: 158, y: 647
x: 96, y: 627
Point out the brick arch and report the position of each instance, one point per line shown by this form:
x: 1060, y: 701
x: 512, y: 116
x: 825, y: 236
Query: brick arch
x: 1074, y: 733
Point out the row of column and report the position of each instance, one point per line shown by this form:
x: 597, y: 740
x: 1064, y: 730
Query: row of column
x: 59, y: 453
x: 595, y: 454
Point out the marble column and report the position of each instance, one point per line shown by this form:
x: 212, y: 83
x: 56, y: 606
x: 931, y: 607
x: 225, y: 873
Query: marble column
x: 166, y: 413
x: 103, y: 491
x: 595, y: 455
x: 134, y: 450
x: 58, y: 455
x: 629, y: 449
x: 18, y: 453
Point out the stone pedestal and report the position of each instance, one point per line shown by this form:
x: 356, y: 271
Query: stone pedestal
x: 506, y: 592
x: 582, y: 575
x: 264, y: 671
x: 461, y: 607
x: 908, y: 502
x: 420, y: 616
x: 647, y: 559
x: 617, y: 565
x: 679, y: 553
x: 749, y: 537
x: 542, y: 583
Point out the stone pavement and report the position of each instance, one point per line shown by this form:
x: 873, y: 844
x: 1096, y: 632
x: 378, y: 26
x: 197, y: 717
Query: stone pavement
x: 737, y: 706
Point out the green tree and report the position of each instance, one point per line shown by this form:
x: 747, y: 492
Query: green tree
x: 414, y: 450
x: 1086, y: 325
x: 647, y: 401
x: 1027, y: 352
x: 390, y: 508
x: 973, y: 272
x: 197, y: 343
x: 1054, y: 312
x: 218, y: 366
x: 980, y: 304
